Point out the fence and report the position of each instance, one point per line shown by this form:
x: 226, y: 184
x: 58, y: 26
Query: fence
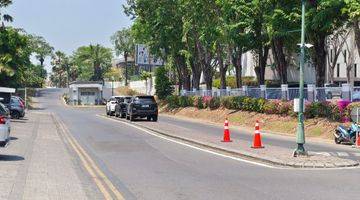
x: 311, y: 93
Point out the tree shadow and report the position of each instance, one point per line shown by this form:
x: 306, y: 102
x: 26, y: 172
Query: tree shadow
x: 11, y: 158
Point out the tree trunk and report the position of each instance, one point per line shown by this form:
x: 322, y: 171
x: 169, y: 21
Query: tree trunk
x: 196, y: 74
x: 331, y: 74
x: 357, y: 34
x: 319, y: 59
x: 236, y: 62
x: 277, y: 46
x: 126, y: 68
x: 183, y: 73
x: 263, y: 53
x: 42, y: 60
x: 222, y: 67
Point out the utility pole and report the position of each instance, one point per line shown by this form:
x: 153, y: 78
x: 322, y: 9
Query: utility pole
x: 300, y: 136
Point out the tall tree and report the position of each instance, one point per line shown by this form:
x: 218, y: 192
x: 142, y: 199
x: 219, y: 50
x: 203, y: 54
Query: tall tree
x: 41, y: 48
x: 323, y: 17
x: 352, y: 8
x: 95, y: 56
x: 60, y: 69
x: 3, y: 16
x: 124, y: 45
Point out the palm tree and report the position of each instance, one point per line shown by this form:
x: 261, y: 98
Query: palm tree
x: 124, y: 45
x: 41, y: 48
x: 60, y: 63
x: 96, y: 56
x: 5, y: 17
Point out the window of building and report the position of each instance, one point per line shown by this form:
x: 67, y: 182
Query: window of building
x: 338, y: 70
x: 331, y: 55
x: 345, y: 56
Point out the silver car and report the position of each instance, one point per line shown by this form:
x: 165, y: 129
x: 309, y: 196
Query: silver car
x: 4, y: 125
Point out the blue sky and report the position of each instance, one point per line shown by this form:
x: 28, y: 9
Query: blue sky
x: 68, y: 24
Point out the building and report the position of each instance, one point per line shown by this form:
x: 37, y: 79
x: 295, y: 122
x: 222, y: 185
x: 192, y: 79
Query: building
x: 85, y: 93
x: 343, y: 58
x: 5, y: 94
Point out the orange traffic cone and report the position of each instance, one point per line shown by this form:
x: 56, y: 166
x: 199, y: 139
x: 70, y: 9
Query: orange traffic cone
x: 257, y: 137
x: 226, y: 132
x: 358, y: 141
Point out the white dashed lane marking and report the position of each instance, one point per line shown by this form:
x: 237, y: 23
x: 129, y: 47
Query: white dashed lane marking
x: 338, y: 154
x: 342, y: 154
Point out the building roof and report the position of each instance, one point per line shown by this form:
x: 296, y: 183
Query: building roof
x: 86, y: 82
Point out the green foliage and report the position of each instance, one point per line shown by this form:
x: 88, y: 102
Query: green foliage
x: 163, y: 86
x: 93, y: 59
x: 276, y: 107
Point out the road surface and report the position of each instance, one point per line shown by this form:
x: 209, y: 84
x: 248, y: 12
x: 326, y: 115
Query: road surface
x: 143, y: 166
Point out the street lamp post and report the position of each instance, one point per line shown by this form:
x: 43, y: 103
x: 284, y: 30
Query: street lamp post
x: 300, y: 136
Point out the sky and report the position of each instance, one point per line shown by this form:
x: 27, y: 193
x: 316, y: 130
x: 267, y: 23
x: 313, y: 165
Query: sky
x: 69, y: 24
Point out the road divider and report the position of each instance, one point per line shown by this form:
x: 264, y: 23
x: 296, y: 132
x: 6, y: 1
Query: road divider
x: 106, y: 187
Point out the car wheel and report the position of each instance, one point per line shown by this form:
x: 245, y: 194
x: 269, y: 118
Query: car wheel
x: 15, y: 115
x: 127, y: 117
x: 337, y: 141
x: 353, y: 139
x: 148, y: 118
x: 132, y: 118
x: 123, y: 115
x: 155, y: 118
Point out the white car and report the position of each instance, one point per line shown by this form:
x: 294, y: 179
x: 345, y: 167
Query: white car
x: 110, y: 105
x: 4, y: 125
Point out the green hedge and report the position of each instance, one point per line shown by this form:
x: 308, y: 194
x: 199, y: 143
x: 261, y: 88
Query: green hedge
x: 285, y: 108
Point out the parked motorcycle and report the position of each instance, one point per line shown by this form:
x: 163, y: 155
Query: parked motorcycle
x: 346, y: 134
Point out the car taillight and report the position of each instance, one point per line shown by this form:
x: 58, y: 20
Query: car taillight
x: 2, y: 120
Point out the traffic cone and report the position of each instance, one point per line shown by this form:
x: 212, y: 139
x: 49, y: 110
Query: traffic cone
x: 226, y: 132
x: 358, y: 141
x: 257, y: 137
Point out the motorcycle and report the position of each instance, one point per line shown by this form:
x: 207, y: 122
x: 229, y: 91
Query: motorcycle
x: 346, y: 134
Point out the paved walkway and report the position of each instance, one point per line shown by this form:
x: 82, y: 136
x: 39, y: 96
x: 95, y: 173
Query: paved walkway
x: 38, y: 165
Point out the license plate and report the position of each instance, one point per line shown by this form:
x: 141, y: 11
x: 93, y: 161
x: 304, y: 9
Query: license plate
x: 145, y: 106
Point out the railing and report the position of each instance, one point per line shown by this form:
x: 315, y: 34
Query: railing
x: 310, y: 93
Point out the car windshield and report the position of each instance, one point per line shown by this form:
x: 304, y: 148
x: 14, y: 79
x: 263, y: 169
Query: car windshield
x: 119, y: 99
x: 145, y: 99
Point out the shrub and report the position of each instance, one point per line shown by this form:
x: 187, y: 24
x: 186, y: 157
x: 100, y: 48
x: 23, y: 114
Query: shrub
x: 198, y: 102
x: 163, y: 84
x: 173, y: 101
x: 226, y: 102
x: 184, y: 101
x: 270, y: 107
x: 213, y: 103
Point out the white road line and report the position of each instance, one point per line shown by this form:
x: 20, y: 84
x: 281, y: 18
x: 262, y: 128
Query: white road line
x: 191, y: 146
x: 321, y: 153
x: 342, y: 154
x: 222, y: 155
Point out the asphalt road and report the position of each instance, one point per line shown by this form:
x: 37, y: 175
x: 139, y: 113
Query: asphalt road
x: 143, y: 166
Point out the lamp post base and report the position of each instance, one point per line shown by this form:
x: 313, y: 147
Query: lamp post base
x: 300, y: 151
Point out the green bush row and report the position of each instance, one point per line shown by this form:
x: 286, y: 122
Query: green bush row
x: 259, y: 105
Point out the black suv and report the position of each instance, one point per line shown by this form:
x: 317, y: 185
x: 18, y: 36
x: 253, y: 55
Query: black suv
x: 121, y: 106
x: 142, y: 106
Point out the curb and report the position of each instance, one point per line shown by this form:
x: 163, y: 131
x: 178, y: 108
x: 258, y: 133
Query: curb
x: 250, y: 156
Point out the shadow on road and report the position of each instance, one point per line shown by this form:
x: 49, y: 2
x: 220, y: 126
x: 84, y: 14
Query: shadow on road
x: 11, y: 158
x: 14, y: 138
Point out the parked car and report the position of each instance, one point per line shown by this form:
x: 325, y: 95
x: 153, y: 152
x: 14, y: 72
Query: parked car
x: 141, y: 107
x: 111, y: 103
x: 121, y: 106
x: 16, y: 107
x: 4, y: 125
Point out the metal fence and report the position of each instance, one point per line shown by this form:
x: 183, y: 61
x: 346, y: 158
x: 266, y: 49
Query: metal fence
x: 315, y: 94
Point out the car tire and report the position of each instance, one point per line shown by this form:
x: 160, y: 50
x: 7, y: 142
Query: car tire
x: 148, y: 118
x: 337, y: 141
x: 132, y: 118
x: 155, y: 118
x: 15, y: 115
x: 127, y: 117
x: 123, y: 115
x: 353, y: 140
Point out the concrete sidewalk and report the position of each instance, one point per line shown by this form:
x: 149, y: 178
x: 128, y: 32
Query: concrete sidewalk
x: 38, y: 165
x: 270, y: 154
